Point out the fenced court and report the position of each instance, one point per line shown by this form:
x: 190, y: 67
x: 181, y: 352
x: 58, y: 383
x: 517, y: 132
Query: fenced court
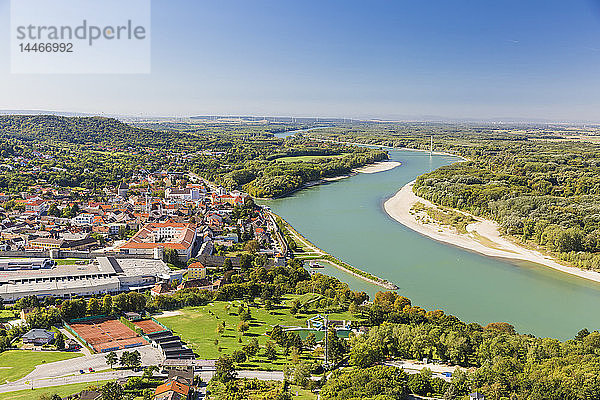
x: 106, y: 335
x: 148, y: 326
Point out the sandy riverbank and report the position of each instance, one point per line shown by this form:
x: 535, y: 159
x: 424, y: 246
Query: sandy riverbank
x: 482, y: 236
x: 377, y: 167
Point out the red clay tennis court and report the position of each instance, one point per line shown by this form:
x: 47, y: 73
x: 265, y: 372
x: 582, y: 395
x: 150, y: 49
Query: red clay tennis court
x: 107, y: 334
x: 148, y: 326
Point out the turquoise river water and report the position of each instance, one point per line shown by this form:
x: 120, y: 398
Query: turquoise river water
x: 346, y: 218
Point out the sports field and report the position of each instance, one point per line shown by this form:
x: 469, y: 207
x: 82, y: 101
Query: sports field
x: 107, y: 334
x: 148, y: 326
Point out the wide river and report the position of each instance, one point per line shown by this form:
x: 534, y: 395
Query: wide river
x: 346, y: 218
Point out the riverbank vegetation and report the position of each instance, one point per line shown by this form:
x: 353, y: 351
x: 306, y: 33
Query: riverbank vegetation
x: 540, y: 183
x: 442, y: 216
x: 504, y: 362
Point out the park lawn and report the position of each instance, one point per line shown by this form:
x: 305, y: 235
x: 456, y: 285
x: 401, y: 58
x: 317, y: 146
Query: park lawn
x: 62, y: 391
x: 70, y: 261
x: 303, y: 394
x: 308, y: 158
x: 15, y: 364
x: 7, y: 315
x: 197, y: 327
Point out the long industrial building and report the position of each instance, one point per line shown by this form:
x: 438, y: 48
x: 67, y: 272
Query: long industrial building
x: 100, y: 276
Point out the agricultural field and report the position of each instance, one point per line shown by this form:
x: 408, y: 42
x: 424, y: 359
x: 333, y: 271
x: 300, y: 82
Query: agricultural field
x: 197, y: 326
x: 15, y: 364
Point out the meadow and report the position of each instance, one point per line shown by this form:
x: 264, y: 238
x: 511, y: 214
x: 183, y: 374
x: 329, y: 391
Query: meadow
x: 197, y: 326
x: 15, y: 364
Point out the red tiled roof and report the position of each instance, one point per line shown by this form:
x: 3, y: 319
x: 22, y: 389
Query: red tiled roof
x: 172, y: 386
x: 183, y: 240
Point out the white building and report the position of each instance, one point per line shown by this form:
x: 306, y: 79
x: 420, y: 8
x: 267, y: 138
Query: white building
x: 186, y: 194
x: 83, y: 219
x: 101, y: 276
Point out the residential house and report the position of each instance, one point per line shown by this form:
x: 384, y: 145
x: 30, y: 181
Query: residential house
x: 38, y: 337
x: 172, y: 390
x: 90, y: 395
x: 196, y: 271
x: 161, y: 288
x: 182, y: 376
x: 36, y: 206
x: 123, y: 189
x: 83, y: 219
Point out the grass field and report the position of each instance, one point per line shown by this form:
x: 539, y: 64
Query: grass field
x: 70, y: 261
x: 308, y: 158
x: 197, y: 327
x: 7, y: 315
x: 62, y: 391
x: 15, y: 364
x: 303, y: 394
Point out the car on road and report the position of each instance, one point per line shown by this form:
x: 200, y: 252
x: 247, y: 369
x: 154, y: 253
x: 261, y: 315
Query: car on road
x: 81, y: 371
x: 91, y: 369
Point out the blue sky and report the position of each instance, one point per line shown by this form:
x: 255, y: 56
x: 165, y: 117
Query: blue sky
x: 380, y: 59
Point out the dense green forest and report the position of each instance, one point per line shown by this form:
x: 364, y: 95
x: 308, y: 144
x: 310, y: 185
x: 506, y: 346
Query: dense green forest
x: 95, y: 153
x: 540, y: 183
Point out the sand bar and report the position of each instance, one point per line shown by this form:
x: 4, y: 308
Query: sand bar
x: 377, y: 167
x: 482, y: 236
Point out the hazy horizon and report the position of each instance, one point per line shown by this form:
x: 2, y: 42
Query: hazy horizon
x: 463, y: 60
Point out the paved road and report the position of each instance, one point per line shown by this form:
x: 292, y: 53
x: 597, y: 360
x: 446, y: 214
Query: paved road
x: 249, y: 374
x: 414, y: 367
x: 23, y: 384
x: 150, y: 356
x: 38, y: 381
x: 67, y: 371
